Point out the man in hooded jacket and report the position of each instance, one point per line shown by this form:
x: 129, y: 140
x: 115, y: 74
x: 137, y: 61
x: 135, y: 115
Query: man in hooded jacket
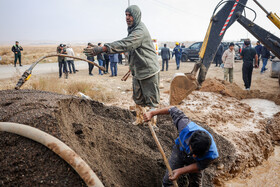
x: 143, y: 62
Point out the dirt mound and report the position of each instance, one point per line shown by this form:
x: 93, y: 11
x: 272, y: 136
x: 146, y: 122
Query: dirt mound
x: 121, y: 154
x: 233, y: 90
x: 273, y: 128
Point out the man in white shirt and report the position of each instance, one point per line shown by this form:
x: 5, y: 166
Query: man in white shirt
x: 228, y: 60
x: 70, y: 61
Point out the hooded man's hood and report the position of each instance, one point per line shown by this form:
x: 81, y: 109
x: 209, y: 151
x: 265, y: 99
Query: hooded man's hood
x: 135, y: 12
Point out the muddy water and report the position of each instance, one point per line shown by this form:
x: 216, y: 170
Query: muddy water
x: 267, y: 174
x: 266, y: 107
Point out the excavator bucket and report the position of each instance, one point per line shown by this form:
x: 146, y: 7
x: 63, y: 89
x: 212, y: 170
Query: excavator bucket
x: 181, y: 86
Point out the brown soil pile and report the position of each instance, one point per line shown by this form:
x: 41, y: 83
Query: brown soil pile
x: 273, y: 128
x: 233, y: 90
x: 121, y: 154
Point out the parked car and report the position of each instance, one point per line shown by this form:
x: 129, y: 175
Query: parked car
x: 191, y: 53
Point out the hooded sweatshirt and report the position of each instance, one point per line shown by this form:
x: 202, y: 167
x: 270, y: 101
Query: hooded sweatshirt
x: 142, y: 60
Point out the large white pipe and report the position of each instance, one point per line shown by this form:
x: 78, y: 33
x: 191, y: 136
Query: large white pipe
x: 57, y: 146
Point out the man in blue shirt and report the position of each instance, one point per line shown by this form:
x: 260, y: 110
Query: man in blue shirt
x: 177, y: 51
x: 194, y: 149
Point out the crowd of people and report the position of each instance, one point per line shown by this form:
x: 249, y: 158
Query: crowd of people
x: 66, y: 64
x: 251, y: 58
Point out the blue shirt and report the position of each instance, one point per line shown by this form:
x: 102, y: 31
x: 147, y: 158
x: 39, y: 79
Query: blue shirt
x: 177, y: 51
x: 186, y: 127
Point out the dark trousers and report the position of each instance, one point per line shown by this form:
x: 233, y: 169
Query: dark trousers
x: 71, y: 63
x: 90, y: 66
x: 106, y: 65
x: 114, y: 68
x: 177, y: 160
x: 17, y: 56
x: 163, y: 62
x: 247, y: 71
x: 178, y: 58
x: 218, y: 60
x: 62, y: 64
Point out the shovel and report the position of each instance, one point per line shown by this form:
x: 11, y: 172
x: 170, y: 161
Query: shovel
x: 161, y: 151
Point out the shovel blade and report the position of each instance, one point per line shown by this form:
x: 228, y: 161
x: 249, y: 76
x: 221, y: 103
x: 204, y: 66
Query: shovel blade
x: 181, y: 86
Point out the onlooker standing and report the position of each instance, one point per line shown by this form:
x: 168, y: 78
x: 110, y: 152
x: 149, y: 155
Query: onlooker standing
x: 265, y: 56
x: 165, y: 55
x: 258, y: 50
x: 90, y: 58
x: 61, y: 61
x: 177, y: 51
x: 114, y: 59
x: 120, y: 58
x: 228, y: 60
x: 218, y: 57
x: 183, y: 46
x: 248, y: 55
x: 70, y: 61
x: 17, y: 51
x: 106, y: 63
x: 100, y: 59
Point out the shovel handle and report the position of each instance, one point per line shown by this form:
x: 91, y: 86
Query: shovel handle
x: 162, y: 152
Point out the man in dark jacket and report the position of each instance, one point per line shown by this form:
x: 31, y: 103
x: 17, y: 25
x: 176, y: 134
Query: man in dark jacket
x: 219, y: 54
x: 143, y: 62
x: 265, y: 56
x: 177, y: 51
x: 258, y: 50
x: 194, y: 149
x: 165, y: 55
x: 62, y: 65
x: 17, y: 51
x: 248, y: 55
x: 106, y: 63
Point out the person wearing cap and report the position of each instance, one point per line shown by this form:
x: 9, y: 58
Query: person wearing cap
x: 143, y: 61
x: 194, y: 149
x: 228, y: 61
x: 177, y: 51
x: 248, y: 55
x: 17, y: 51
x: 61, y: 61
x: 70, y: 61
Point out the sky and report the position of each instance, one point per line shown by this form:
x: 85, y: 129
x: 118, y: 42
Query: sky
x: 104, y: 20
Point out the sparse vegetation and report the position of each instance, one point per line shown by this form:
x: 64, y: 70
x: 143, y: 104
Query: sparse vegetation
x: 95, y: 91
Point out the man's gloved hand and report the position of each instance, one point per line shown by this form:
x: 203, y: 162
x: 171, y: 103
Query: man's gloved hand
x: 93, y: 50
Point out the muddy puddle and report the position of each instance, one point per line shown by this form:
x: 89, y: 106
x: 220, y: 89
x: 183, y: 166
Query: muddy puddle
x: 268, y: 173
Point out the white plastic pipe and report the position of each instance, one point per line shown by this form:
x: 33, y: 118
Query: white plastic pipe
x: 56, y: 146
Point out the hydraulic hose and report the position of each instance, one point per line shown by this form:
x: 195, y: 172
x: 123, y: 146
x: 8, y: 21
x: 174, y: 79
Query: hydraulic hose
x: 27, y: 74
x: 57, y: 146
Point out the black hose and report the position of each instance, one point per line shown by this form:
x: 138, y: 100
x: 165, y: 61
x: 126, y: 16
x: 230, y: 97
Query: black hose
x: 223, y: 2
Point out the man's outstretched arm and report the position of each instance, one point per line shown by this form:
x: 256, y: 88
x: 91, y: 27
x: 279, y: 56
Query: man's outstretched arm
x: 149, y: 115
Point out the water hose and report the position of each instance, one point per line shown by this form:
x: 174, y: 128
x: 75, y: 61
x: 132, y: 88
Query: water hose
x: 57, y: 146
x: 27, y: 74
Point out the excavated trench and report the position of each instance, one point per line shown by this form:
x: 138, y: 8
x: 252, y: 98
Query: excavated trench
x: 118, y: 152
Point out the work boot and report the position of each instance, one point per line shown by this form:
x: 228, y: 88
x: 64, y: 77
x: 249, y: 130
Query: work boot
x: 139, y: 115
